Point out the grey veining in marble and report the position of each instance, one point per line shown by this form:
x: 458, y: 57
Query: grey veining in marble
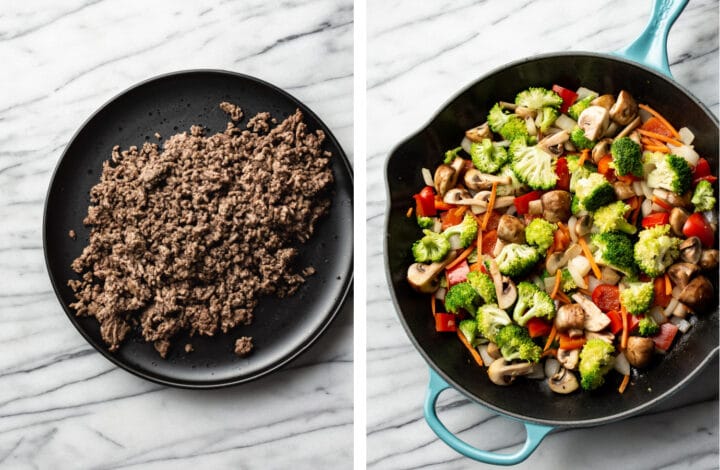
x: 62, y: 405
x: 419, y: 55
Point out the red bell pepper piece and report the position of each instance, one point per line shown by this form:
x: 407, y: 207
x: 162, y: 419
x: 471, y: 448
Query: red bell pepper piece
x: 457, y: 273
x: 655, y: 125
x: 606, y: 297
x: 522, y: 202
x: 702, y: 171
x: 615, y: 321
x: 489, y: 239
x: 445, y: 322
x: 709, y: 178
x: 697, y: 226
x: 664, y: 338
x: 425, y: 202
x: 563, y: 174
x: 537, y: 327
x: 656, y: 218
x: 568, y: 97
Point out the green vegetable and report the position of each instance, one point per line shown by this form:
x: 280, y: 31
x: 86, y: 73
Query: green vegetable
x: 484, y: 286
x: 462, y: 296
x: 509, y: 126
x: 703, y: 198
x: 577, y: 137
x: 515, y: 187
x: 655, y: 250
x: 516, y: 260
x: 533, y: 165
x: 469, y: 329
x: 611, y: 218
x: 532, y: 302
x: 627, y: 157
x: 515, y: 343
x: 672, y: 173
x: 425, y: 222
x: 596, y: 360
x: 430, y: 248
x: 487, y: 157
x: 594, y: 191
x: 537, y: 98
x: 580, y: 105
x: 490, y: 319
x: 451, y: 155
x: 540, y: 233
x: 648, y: 327
x: 466, y: 230
x: 637, y: 297
x: 615, y: 249
x: 567, y: 283
x: 576, y: 171
x: 549, y: 116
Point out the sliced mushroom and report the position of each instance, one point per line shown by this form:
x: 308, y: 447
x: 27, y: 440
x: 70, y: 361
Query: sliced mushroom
x: 606, y: 336
x: 629, y: 128
x: 557, y: 138
x: 576, y: 332
x: 697, y: 294
x: 639, y: 351
x: 476, y: 180
x: 556, y: 206
x: 568, y: 358
x: 477, y: 134
x: 601, y: 149
x: 678, y: 217
x: 424, y: 277
x: 681, y: 273
x: 623, y: 190
x: 525, y: 113
x: 584, y: 225
x: 493, y: 350
x: 456, y: 195
x: 445, y: 179
x: 594, y: 121
x: 458, y: 165
x: 606, y: 101
x: 709, y: 259
x: 504, y: 287
x: 503, y: 373
x: 612, y: 129
x: 563, y: 382
x: 679, y: 200
x: 595, y: 320
x: 635, y: 137
x: 625, y: 109
x: 569, y: 317
x: 554, y: 262
x: 691, y: 251
x: 511, y: 229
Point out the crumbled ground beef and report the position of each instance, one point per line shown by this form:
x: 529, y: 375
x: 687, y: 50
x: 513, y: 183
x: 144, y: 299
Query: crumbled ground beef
x: 189, y: 237
x: 243, y: 346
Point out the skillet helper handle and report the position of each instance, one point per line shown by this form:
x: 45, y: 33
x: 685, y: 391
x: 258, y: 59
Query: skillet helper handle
x: 535, y: 432
x: 650, y: 48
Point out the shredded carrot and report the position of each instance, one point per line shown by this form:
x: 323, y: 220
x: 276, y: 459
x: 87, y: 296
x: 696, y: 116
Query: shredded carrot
x: 556, y: 287
x: 479, y: 244
x: 551, y: 338
x: 409, y: 212
x: 583, y: 156
x: 657, y: 148
x: 661, y: 119
x: 563, y: 298
x: 668, y: 285
x: 549, y: 352
x: 472, y: 350
x: 462, y: 256
x: 663, y: 204
x: 624, y: 384
x: 432, y: 304
x: 660, y: 137
x: 634, y: 216
x: 589, y: 256
x: 564, y: 229
x: 491, y: 204
x: 624, y: 338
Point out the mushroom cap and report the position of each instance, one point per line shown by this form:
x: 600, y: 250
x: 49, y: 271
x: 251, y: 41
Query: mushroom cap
x: 639, y: 351
x: 423, y: 277
x: 625, y: 108
x: 691, y: 251
x: 556, y: 205
x: 681, y: 273
x: 571, y: 316
x: 455, y: 195
x: 568, y: 357
x: 594, y: 121
x: 697, y: 294
x: 501, y: 372
x: 709, y: 259
x: 444, y: 179
x: 563, y: 382
x: 678, y: 217
x: 595, y: 320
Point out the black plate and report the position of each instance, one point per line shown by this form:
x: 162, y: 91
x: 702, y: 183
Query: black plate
x: 170, y: 104
x: 531, y: 400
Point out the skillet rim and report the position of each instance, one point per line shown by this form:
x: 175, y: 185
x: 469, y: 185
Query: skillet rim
x: 388, y: 274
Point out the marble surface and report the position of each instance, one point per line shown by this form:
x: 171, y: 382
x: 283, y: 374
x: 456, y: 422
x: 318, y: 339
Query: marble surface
x: 62, y: 405
x: 420, y: 54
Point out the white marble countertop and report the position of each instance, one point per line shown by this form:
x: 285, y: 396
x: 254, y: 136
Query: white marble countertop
x: 62, y: 405
x: 419, y: 55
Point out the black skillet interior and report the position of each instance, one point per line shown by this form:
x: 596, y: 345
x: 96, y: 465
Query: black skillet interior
x: 531, y: 400
x: 170, y: 104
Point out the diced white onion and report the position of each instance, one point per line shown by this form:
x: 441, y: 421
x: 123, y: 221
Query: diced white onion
x: 583, y: 93
x: 437, y: 226
x: 487, y: 359
x: 670, y: 307
x: 686, y: 135
x: 593, y: 282
x: 646, y: 207
x: 440, y: 293
x: 565, y: 122
x: 552, y: 366
x: 571, y: 227
x: 502, y: 143
x: 530, y: 125
x: 657, y: 208
x: 682, y: 324
x: 455, y: 242
x: 576, y: 266
x: 537, y: 281
x: 539, y: 117
x: 687, y: 152
x: 681, y: 310
x: 621, y: 364
x: 535, y: 207
x: 661, y: 193
x: 710, y: 216
x: 465, y: 144
x: 537, y: 372
x: 637, y: 187
x: 549, y: 284
x: 610, y: 276
x: 656, y: 313
x: 427, y: 176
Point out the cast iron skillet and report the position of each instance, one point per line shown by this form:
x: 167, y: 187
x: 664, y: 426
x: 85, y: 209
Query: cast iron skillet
x: 450, y: 364
x: 169, y: 104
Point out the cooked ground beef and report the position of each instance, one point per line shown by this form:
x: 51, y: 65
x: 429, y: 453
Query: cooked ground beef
x: 188, y: 237
x: 243, y: 346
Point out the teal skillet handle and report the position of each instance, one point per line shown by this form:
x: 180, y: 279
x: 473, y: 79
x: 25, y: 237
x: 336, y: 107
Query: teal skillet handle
x: 650, y: 48
x: 535, y: 432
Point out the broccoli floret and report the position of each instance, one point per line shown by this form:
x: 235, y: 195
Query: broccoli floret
x: 549, y: 116
x: 533, y: 165
x: 509, y: 126
x: 672, y: 173
x: 567, y: 283
x: 581, y: 105
x: 575, y: 206
x: 515, y: 187
x: 469, y: 329
x: 425, y: 222
x: 655, y: 250
x: 484, y: 285
x: 611, y: 218
x: 577, y: 137
x: 430, y: 248
x: 462, y: 296
x: 594, y: 191
x: 596, y: 360
x: 703, y: 198
x: 537, y: 98
x: 615, y: 249
x: 532, y: 303
x: 487, y: 157
x: 490, y: 319
x: 627, y: 157
x: 451, y: 155
x: 637, y: 297
x: 540, y: 232
x: 516, y: 260
x: 648, y: 327
x: 466, y: 230
x: 578, y: 172
x: 515, y: 343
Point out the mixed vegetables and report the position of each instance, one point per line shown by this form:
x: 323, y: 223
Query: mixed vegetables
x: 569, y: 235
